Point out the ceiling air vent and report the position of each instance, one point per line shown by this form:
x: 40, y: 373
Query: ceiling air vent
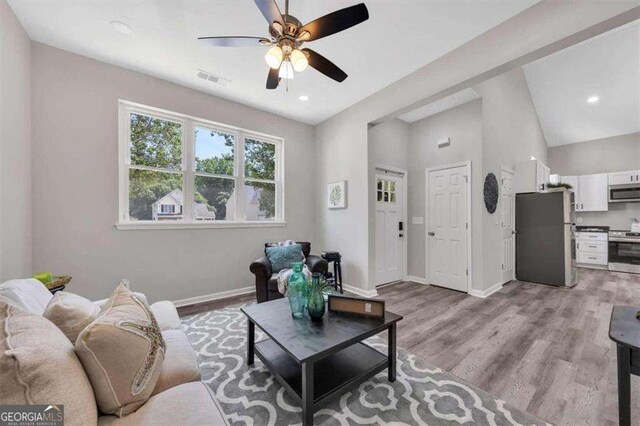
x: 213, y: 78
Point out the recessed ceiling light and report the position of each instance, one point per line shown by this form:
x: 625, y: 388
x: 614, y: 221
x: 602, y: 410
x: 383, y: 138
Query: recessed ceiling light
x: 121, y: 27
x: 593, y: 99
x: 303, y: 98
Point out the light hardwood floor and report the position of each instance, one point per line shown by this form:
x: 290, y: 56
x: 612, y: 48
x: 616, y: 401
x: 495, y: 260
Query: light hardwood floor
x: 542, y: 349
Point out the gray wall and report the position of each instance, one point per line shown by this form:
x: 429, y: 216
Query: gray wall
x: 15, y: 147
x: 342, y: 140
x: 75, y: 185
x: 616, y: 154
x: 463, y: 125
x: 511, y: 133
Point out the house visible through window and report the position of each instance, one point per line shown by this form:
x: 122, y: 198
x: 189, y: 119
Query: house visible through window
x: 180, y: 169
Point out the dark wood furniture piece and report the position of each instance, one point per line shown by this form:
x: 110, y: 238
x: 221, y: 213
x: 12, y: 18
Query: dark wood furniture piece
x: 57, y: 289
x: 266, y: 279
x: 335, y: 278
x: 317, y: 362
x: 624, y: 329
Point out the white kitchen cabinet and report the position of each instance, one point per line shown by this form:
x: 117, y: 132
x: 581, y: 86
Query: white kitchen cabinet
x: 621, y: 178
x: 593, y: 193
x: 592, y: 248
x: 531, y: 176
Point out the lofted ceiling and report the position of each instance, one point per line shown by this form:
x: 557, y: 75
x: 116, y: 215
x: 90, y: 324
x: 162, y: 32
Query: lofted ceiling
x: 606, y: 66
x: 399, y: 37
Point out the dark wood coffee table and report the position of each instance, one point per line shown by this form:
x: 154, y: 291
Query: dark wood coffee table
x: 318, y: 361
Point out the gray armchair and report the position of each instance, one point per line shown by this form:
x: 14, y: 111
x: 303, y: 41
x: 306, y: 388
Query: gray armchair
x: 266, y: 283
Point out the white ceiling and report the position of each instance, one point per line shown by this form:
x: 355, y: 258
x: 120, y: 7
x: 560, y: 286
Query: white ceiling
x: 399, y: 37
x: 451, y: 101
x: 606, y: 66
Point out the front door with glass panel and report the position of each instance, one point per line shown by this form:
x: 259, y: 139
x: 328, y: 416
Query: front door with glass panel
x: 389, y: 228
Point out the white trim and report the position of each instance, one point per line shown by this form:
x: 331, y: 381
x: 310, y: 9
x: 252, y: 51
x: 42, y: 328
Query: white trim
x: 486, y: 293
x: 146, y: 225
x: 213, y: 296
x: 466, y: 164
x: 405, y: 208
x: 360, y: 292
x: 418, y: 280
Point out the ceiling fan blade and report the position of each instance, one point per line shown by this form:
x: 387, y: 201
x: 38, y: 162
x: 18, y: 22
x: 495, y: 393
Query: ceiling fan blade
x: 324, y: 65
x: 272, y: 79
x: 271, y: 11
x: 235, y: 41
x: 335, y: 22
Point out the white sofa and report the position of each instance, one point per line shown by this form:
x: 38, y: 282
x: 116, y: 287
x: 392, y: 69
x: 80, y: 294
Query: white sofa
x: 179, y: 397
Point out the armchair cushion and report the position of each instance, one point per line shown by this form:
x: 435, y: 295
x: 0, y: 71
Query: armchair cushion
x: 283, y: 256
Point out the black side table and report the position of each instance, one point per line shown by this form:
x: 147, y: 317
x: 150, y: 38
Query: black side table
x: 334, y: 279
x: 624, y: 329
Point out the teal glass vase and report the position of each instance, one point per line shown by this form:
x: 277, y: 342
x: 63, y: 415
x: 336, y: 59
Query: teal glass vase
x: 297, y: 290
x: 315, y: 299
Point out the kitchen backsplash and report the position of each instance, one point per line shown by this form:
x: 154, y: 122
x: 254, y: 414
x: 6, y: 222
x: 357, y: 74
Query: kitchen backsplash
x: 618, y: 217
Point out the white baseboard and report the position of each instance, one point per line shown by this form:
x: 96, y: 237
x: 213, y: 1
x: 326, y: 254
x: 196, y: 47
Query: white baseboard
x: 214, y: 296
x: 360, y: 292
x: 486, y: 293
x: 415, y: 279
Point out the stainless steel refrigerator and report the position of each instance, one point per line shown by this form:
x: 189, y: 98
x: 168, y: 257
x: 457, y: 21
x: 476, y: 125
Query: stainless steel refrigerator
x: 545, y: 239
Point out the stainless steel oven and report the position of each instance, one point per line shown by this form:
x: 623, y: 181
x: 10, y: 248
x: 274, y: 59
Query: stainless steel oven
x: 627, y: 193
x: 624, y: 251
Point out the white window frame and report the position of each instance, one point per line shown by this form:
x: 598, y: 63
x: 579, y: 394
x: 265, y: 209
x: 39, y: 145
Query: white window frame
x: 125, y: 108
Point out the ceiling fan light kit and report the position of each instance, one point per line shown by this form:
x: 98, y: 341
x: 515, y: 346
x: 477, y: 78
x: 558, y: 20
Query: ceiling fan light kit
x: 287, y: 36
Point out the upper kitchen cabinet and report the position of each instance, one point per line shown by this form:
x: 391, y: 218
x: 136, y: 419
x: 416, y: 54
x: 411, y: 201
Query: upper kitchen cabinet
x: 531, y: 176
x: 592, y: 195
x: 621, y: 178
x: 591, y: 192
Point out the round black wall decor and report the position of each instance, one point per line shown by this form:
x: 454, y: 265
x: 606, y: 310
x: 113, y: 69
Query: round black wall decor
x: 491, y: 193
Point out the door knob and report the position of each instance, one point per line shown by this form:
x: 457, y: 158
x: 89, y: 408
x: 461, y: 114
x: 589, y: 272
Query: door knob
x: 431, y: 234
x: 401, y: 235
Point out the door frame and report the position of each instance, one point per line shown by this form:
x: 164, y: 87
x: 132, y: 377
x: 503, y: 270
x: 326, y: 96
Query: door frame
x: 469, y: 182
x: 405, y: 174
x: 513, y: 220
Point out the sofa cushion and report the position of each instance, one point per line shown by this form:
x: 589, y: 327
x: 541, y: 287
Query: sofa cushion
x: 29, y: 295
x: 180, y: 362
x: 166, y: 315
x: 188, y: 404
x: 281, y: 257
x: 39, y: 366
x: 71, y: 313
x: 122, y: 352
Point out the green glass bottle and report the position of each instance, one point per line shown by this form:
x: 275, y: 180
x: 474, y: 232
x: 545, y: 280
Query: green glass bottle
x: 297, y: 290
x: 315, y: 298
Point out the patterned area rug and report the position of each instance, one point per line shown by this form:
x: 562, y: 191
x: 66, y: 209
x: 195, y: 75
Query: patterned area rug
x: 421, y: 395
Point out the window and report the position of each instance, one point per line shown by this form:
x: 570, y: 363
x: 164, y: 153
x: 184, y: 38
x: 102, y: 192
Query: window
x: 386, y: 190
x: 181, y: 171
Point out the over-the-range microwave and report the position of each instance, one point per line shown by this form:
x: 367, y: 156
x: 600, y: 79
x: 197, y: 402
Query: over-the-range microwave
x: 626, y: 193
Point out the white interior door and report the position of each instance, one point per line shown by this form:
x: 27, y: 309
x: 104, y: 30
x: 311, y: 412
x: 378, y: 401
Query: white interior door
x: 447, y: 231
x: 389, y: 243
x: 507, y: 220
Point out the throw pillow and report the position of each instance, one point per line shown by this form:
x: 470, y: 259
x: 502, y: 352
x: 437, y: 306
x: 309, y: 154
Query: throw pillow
x: 282, y: 257
x: 71, y: 313
x: 122, y: 352
x: 29, y: 295
x: 39, y: 366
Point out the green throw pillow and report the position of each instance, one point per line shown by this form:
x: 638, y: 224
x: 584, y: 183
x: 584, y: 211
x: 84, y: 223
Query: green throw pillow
x: 282, y: 257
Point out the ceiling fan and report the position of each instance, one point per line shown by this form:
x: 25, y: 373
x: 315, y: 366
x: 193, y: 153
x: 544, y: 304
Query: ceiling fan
x: 288, y: 34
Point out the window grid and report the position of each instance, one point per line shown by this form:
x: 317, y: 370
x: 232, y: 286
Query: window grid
x: 188, y: 170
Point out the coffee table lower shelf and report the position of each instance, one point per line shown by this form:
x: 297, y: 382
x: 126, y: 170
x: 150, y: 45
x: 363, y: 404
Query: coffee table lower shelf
x: 333, y: 375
